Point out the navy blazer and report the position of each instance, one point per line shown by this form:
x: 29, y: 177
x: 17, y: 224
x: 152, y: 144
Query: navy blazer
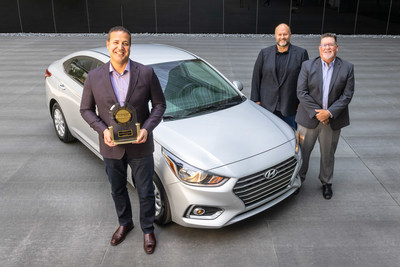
x: 143, y: 87
x: 265, y: 86
x: 309, y: 92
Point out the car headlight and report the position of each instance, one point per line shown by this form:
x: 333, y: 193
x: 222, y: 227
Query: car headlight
x: 191, y: 175
x: 297, y: 148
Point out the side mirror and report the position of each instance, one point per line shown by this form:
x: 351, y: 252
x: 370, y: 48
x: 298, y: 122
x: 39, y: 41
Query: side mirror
x: 238, y: 85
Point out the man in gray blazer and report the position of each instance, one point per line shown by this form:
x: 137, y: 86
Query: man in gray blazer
x: 325, y: 89
x: 275, y: 76
x: 124, y: 82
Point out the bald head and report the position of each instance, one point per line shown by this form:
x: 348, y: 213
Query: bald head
x: 283, y: 26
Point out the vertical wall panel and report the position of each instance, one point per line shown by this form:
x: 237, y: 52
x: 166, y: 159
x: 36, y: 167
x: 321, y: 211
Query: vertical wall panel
x: 240, y: 16
x: 104, y: 14
x: 9, y: 19
x: 307, y: 16
x: 139, y: 16
x: 340, y: 16
x: 173, y: 16
x: 272, y: 13
x: 37, y: 16
x: 206, y: 16
x: 372, y: 16
x: 394, y: 25
x: 71, y: 16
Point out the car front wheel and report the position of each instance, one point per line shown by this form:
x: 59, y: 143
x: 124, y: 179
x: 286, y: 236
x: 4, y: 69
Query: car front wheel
x: 163, y: 212
x: 60, y: 125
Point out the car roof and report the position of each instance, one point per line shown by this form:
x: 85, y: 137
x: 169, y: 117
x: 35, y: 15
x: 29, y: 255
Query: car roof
x: 148, y: 54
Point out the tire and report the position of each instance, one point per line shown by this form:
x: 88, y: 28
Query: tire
x: 60, y: 125
x: 163, y: 212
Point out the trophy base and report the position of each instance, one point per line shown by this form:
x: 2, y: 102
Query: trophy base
x: 125, y: 136
x: 123, y: 142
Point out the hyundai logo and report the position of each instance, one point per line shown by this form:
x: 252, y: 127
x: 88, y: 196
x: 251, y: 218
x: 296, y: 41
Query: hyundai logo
x: 270, y: 174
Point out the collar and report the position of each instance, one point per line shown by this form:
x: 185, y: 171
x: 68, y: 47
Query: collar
x: 280, y: 53
x: 324, y: 64
x: 127, y: 68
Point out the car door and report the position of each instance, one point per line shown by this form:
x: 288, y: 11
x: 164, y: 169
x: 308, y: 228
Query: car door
x: 77, y: 69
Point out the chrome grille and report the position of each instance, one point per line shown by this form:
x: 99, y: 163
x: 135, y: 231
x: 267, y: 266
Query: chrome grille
x: 256, y: 188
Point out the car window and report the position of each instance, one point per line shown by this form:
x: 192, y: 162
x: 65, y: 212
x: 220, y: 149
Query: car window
x: 192, y: 88
x: 78, y: 67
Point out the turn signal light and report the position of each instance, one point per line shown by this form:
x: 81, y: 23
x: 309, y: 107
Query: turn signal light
x: 47, y: 74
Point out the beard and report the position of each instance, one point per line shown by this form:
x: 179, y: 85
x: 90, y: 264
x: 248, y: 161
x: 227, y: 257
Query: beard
x: 283, y: 43
x: 328, y: 56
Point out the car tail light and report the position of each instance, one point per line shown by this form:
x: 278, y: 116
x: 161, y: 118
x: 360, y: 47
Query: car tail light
x: 47, y: 74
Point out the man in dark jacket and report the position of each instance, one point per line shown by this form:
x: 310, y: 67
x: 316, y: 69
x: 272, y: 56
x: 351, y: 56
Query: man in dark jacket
x: 126, y: 83
x: 275, y: 76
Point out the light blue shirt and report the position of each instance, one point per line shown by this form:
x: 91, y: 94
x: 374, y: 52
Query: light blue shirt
x: 327, y: 72
x: 120, y: 83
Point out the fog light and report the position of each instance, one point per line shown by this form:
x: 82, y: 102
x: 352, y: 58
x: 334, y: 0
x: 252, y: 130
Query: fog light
x: 203, y: 213
x: 199, y: 211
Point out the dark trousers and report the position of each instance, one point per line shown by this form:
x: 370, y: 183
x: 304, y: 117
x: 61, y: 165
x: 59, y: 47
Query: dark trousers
x: 142, y: 170
x: 288, y: 119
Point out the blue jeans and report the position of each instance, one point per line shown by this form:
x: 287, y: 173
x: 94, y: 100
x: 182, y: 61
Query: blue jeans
x: 143, y: 171
x: 288, y: 119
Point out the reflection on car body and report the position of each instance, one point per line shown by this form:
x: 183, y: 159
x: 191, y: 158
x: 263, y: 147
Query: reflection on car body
x: 215, y: 150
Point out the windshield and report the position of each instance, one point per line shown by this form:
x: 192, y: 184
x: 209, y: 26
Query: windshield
x: 192, y: 88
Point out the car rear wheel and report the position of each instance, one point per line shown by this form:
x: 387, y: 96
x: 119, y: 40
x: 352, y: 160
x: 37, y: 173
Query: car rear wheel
x: 60, y: 125
x: 163, y: 212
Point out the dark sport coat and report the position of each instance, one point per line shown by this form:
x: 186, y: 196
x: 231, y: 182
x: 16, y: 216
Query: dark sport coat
x: 309, y: 92
x: 265, y: 86
x: 143, y: 87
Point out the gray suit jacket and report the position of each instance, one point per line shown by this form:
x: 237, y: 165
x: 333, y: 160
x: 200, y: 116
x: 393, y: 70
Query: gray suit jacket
x: 265, y: 86
x: 309, y: 92
x: 143, y: 87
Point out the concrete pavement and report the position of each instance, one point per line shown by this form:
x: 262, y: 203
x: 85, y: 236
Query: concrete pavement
x: 55, y: 203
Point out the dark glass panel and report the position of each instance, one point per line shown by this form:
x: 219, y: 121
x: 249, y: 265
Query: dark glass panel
x: 271, y: 13
x: 104, y: 14
x: 372, y: 16
x: 306, y: 16
x: 9, y: 20
x: 240, y: 16
x: 340, y: 16
x: 173, y: 16
x: 394, y: 24
x: 206, y: 16
x: 71, y: 16
x: 37, y: 16
x: 139, y: 16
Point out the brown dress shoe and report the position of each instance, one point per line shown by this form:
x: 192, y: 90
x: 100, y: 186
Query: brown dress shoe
x: 120, y: 234
x: 149, y: 243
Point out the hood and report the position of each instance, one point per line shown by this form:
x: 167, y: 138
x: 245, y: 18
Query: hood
x: 223, y: 137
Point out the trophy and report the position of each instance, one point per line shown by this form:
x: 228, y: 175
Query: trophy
x: 124, y: 127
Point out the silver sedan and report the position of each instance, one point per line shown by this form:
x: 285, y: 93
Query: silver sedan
x: 219, y: 157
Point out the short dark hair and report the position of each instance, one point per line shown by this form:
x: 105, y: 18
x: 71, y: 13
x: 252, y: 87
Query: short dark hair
x: 119, y: 29
x: 329, y: 34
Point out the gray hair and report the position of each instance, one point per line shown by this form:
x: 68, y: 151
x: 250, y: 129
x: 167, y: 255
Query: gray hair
x: 329, y: 34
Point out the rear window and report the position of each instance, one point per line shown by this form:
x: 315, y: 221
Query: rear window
x: 78, y: 67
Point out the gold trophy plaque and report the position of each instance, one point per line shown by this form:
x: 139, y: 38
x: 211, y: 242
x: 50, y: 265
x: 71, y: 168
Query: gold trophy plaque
x: 124, y: 127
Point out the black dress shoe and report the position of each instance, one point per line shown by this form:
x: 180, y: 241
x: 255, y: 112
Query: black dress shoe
x: 120, y: 234
x: 327, y: 191
x: 149, y: 243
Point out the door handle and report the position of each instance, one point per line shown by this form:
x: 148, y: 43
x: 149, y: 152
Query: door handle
x: 61, y: 86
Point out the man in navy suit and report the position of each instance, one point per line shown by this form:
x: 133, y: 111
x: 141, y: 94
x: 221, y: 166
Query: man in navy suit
x: 325, y: 89
x: 275, y: 76
x: 124, y: 82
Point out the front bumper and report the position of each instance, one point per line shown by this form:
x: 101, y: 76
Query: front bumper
x: 223, y: 207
